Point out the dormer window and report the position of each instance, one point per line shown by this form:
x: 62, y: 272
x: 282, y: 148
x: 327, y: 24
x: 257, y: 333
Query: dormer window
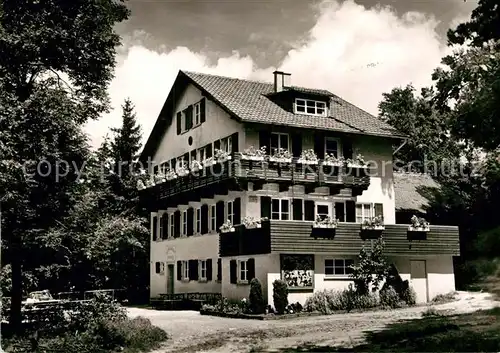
x: 310, y: 107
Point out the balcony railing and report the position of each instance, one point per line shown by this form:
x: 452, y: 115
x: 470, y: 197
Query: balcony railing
x: 347, y: 239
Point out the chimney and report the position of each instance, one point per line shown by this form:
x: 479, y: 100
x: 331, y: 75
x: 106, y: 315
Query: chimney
x: 281, y: 80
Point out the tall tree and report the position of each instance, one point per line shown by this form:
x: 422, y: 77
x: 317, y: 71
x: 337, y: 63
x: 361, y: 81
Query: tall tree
x: 57, y: 60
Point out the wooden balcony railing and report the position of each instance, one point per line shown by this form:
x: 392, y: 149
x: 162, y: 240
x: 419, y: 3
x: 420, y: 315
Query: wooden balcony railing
x: 347, y: 239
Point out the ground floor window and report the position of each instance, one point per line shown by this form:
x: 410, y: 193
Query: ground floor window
x: 202, y: 269
x: 297, y: 270
x: 185, y: 270
x: 243, y: 270
x: 338, y: 267
x: 160, y: 268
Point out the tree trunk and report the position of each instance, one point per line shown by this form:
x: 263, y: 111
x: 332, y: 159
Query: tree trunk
x: 17, y: 287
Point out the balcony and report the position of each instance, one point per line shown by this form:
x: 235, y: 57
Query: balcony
x: 347, y: 239
x: 238, y: 172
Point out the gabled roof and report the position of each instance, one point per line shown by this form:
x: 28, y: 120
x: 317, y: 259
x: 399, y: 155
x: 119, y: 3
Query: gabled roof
x: 250, y: 101
x: 410, y: 190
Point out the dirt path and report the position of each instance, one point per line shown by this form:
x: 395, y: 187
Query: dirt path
x: 191, y: 332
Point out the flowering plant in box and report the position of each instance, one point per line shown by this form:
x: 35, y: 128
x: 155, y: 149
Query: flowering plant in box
x: 254, y: 154
x: 327, y: 222
x: 331, y: 160
x: 308, y: 157
x: 419, y: 224
x: 170, y: 174
x: 251, y: 222
x: 159, y: 177
x: 140, y: 185
x: 221, y: 156
x: 208, y: 162
x: 281, y: 156
x: 357, y: 162
x: 182, y: 170
x: 195, y: 166
x: 227, y: 227
x: 374, y: 223
x: 150, y: 183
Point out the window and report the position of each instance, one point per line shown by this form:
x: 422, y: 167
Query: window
x: 340, y: 210
x: 160, y: 268
x: 197, y: 114
x: 230, y: 211
x: 202, y: 269
x: 243, y: 270
x: 184, y: 222
x: 280, y: 209
x: 279, y: 140
x: 161, y: 227
x: 213, y: 218
x: 172, y: 225
x: 338, y: 267
x: 332, y: 147
x: 363, y: 212
x: 183, y: 122
x: 185, y: 270
x: 322, y: 210
x: 198, y: 221
x: 310, y: 107
x: 200, y: 156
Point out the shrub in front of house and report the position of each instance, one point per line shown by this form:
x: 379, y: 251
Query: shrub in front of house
x: 329, y: 301
x: 280, y: 295
x: 227, y: 306
x: 389, y: 298
x: 256, y: 297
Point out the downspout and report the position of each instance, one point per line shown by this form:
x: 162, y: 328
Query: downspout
x: 405, y: 141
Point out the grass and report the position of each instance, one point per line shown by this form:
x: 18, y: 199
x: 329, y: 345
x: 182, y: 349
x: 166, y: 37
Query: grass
x: 476, y: 332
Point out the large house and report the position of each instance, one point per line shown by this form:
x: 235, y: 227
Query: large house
x: 250, y: 180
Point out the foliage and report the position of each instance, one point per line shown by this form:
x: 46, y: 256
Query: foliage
x: 280, y: 296
x: 308, y: 156
x: 373, y: 223
x: 281, y: 154
x: 328, y: 301
x: 256, y: 297
x: 254, y: 152
x: 226, y: 227
x: 331, y: 159
x: 294, y: 308
x: 328, y: 222
x: 221, y: 156
x: 444, y: 298
x: 251, y: 222
x: 195, y: 165
x: 227, y: 306
x: 389, y: 298
x: 402, y: 288
x: 418, y: 223
x: 371, y: 269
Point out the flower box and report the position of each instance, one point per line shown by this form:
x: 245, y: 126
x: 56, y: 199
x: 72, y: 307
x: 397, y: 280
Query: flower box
x: 252, y: 158
x: 416, y: 235
x: 171, y: 176
x: 209, y: 162
x: 227, y: 230
x: 280, y: 160
x: 182, y: 172
x: 253, y: 226
x: 329, y: 226
x: 365, y: 227
x: 332, y: 164
x: 371, y: 233
x: 323, y: 232
x: 418, y: 229
x: 305, y: 161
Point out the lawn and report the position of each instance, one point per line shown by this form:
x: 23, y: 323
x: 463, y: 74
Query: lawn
x: 475, y: 332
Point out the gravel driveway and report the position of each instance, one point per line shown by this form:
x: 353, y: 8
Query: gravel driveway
x: 192, y: 332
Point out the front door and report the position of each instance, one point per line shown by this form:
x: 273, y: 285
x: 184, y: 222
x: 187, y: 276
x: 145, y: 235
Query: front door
x: 170, y: 279
x: 418, y: 273
x: 323, y: 210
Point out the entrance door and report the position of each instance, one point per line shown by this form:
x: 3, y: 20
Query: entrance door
x: 323, y: 210
x: 170, y: 279
x: 418, y: 273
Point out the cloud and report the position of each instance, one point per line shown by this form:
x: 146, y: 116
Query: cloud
x: 355, y: 52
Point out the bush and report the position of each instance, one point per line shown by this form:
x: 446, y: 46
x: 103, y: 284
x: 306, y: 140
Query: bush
x: 294, y: 308
x: 444, y: 298
x: 389, y: 298
x: 280, y: 296
x: 227, y: 306
x: 329, y: 301
x: 409, y: 296
x: 256, y: 298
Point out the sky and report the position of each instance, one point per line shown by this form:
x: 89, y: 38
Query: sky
x: 356, y: 49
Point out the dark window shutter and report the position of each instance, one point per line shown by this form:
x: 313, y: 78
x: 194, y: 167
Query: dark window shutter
x: 157, y: 267
x: 204, y: 219
x: 179, y: 270
x: 203, y: 112
x: 209, y: 270
x: 379, y: 210
x: 219, y: 214
x: 216, y: 145
x: 265, y: 207
x: 339, y: 211
x: 233, y: 272
x: 219, y: 269
x: 237, y: 210
x: 186, y: 159
x: 297, y: 209
x: 297, y: 145
x: 350, y: 211
x: 189, y: 117
x: 193, y: 155
x: 234, y: 141
x: 190, y: 221
x: 319, y: 145
x: 309, y: 210
x: 193, y: 270
x: 165, y: 226
x: 208, y: 150
x: 173, y: 163
x: 265, y: 140
x: 155, y: 228
x: 177, y: 224
x: 347, y: 148
x: 179, y: 123
x: 251, y: 269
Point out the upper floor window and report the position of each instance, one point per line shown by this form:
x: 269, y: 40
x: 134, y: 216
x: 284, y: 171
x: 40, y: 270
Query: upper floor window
x: 230, y: 211
x: 332, y: 147
x: 172, y: 225
x: 200, y: 155
x: 198, y: 221
x: 279, y: 140
x: 213, y: 218
x: 184, y: 222
x: 310, y: 107
x: 197, y: 114
x: 280, y: 209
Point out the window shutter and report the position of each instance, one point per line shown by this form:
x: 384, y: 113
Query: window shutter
x: 173, y: 163
x: 233, y: 269
x: 177, y: 224
x: 265, y: 207
x: 297, y: 209
x: 251, y: 269
x: 309, y: 210
x: 296, y: 145
x: 208, y: 150
x: 155, y: 228
x: 193, y: 155
x: 379, y: 210
x: 193, y: 270
x: 165, y: 226
x: 237, y: 210
x: 189, y: 117
x: 319, y: 145
x: 339, y: 211
x: 209, y: 270
x: 179, y: 270
x: 234, y: 141
x: 265, y: 140
x: 219, y: 269
x: 350, y: 214
x: 203, y: 107
x: 190, y: 221
x: 219, y: 214
x: 186, y: 159
x: 204, y: 219
x: 179, y: 123
x: 216, y: 145
x: 347, y: 148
